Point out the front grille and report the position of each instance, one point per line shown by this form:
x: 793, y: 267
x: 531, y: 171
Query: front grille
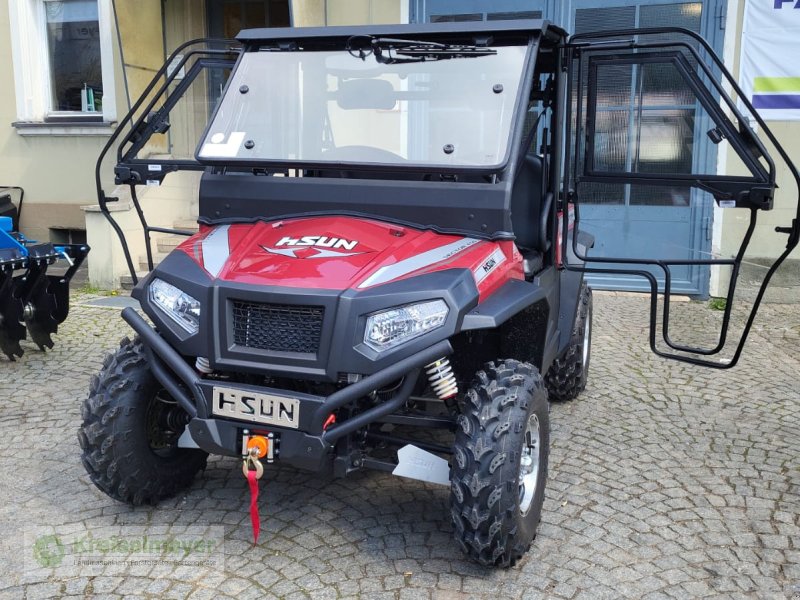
x: 277, y: 327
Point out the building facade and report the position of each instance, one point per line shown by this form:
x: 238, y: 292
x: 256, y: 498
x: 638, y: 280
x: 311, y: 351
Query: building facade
x: 71, y: 68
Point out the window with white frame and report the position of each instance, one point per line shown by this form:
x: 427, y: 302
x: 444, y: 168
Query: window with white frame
x: 73, y: 47
x: 63, y: 68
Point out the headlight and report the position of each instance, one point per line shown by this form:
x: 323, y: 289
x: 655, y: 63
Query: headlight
x: 389, y: 328
x: 179, y: 306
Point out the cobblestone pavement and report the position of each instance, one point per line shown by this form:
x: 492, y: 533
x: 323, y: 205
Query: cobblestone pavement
x: 666, y: 481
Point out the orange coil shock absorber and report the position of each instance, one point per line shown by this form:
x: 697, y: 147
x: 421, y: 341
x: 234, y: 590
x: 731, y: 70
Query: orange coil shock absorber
x: 442, y: 380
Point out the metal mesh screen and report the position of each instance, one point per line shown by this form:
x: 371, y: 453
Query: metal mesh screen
x: 277, y: 327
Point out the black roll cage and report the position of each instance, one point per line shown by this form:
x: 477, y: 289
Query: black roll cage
x: 542, y: 38
x: 133, y: 171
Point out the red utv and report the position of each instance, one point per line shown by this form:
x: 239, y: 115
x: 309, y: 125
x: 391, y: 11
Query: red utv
x: 387, y: 247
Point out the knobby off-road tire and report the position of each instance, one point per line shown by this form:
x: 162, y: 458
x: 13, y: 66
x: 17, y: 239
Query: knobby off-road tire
x: 568, y: 374
x: 486, y: 494
x: 116, y: 438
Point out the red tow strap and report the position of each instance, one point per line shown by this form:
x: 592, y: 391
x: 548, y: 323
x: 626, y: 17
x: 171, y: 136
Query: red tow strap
x: 252, y: 480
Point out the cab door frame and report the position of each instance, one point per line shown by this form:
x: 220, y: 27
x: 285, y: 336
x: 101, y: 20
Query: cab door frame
x: 755, y: 192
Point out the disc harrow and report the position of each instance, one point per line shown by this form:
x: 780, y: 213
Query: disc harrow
x: 32, y: 302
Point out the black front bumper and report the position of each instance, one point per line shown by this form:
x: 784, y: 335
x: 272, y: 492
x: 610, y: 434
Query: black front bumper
x: 310, y: 445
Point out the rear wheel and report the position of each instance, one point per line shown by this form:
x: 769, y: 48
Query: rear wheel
x: 568, y: 374
x: 130, y: 431
x: 499, y: 469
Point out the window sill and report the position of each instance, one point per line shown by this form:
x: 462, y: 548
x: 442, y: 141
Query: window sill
x: 71, y: 129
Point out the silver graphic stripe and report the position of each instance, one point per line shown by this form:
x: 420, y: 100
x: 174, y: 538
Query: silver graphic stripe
x: 216, y: 250
x: 415, y: 263
x: 494, y: 260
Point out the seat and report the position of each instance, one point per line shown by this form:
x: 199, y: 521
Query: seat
x: 526, y: 205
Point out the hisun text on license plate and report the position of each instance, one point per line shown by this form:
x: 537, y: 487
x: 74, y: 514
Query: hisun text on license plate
x: 268, y: 409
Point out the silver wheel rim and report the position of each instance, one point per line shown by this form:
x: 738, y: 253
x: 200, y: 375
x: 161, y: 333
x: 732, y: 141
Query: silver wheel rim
x: 587, y: 331
x: 529, y: 464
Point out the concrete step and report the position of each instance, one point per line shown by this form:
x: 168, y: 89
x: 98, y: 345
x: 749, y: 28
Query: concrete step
x: 162, y: 246
x: 126, y: 281
x: 186, y: 224
x: 168, y: 243
x: 157, y: 258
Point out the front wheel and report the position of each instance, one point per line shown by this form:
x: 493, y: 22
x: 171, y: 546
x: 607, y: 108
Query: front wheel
x: 499, y: 469
x: 129, y: 435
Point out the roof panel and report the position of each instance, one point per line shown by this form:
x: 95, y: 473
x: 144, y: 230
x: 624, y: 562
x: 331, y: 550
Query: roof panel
x: 445, y: 30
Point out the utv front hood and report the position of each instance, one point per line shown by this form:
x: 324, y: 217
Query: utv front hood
x: 338, y: 253
x: 252, y: 278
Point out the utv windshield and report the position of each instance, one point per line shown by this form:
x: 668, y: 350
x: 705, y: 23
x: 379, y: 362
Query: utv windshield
x: 337, y: 107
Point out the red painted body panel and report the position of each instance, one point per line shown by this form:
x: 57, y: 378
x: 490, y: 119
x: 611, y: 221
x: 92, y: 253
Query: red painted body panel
x: 338, y: 253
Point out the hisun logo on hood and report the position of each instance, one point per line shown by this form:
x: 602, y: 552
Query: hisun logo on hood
x: 321, y: 241
x: 313, y: 246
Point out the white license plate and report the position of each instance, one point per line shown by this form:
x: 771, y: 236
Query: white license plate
x: 233, y: 403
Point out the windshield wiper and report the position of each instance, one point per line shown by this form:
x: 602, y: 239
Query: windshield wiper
x: 391, y: 51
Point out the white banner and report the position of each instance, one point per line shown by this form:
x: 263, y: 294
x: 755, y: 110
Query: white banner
x: 770, y: 58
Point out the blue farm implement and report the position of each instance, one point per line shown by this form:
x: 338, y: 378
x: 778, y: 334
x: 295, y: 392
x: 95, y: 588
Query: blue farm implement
x: 31, y: 301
